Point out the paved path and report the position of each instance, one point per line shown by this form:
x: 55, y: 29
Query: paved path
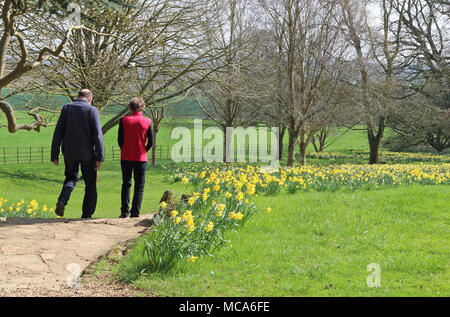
x: 46, y: 254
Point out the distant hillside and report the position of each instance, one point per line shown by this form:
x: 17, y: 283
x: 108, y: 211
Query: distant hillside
x: 20, y: 100
x: 186, y: 108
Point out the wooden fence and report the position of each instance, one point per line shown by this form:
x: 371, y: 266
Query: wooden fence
x: 41, y: 155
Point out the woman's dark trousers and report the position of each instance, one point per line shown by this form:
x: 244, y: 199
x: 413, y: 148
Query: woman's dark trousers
x: 137, y: 169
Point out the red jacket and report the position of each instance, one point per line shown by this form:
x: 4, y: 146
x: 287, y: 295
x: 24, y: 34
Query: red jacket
x: 135, y: 137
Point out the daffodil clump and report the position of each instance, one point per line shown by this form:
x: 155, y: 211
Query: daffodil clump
x: 252, y: 180
x: 21, y: 209
x: 199, y: 224
x: 384, y: 156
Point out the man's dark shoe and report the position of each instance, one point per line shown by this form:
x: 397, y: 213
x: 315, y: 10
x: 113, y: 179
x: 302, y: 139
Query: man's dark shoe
x: 134, y: 216
x: 86, y: 217
x: 123, y: 215
x: 59, y: 210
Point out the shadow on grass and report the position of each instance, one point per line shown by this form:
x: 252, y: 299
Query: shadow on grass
x: 17, y: 174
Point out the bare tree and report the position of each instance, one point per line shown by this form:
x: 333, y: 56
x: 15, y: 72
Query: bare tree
x: 423, y: 115
x: 266, y: 78
x: 224, y: 97
x: 178, y: 57
x: 20, y: 54
x: 377, y: 51
x: 311, y: 54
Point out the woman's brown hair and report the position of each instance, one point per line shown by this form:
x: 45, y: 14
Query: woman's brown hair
x: 137, y: 104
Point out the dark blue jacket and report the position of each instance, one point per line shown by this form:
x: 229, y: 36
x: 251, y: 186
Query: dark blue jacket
x: 79, y: 131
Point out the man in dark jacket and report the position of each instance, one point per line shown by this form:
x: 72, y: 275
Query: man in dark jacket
x: 78, y: 130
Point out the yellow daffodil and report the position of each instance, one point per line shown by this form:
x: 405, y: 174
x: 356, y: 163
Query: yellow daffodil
x: 238, y: 216
x: 192, y: 259
x: 191, y: 201
x: 209, y: 226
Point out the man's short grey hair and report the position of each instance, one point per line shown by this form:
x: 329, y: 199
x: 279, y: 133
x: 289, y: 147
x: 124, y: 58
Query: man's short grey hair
x: 85, y: 94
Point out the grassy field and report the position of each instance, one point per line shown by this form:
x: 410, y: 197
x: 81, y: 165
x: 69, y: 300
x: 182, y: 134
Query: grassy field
x: 44, y: 137
x: 43, y: 183
x: 314, y: 243
x: 320, y: 244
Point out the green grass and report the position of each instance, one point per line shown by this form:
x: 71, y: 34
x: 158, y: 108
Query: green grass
x: 319, y: 244
x: 310, y: 240
x: 312, y: 244
x: 43, y: 183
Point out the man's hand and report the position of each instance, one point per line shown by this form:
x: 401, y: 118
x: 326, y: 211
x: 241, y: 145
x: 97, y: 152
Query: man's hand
x: 55, y: 162
x: 97, y: 165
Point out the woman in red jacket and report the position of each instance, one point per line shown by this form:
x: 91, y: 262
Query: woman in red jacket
x: 135, y: 139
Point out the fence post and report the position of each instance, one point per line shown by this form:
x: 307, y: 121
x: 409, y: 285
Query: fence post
x: 42, y: 154
x: 112, y: 149
x: 30, y: 154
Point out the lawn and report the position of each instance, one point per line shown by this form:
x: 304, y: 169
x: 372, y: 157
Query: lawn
x: 43, y: 183
x: 320, y: 244
x: 313, y: 243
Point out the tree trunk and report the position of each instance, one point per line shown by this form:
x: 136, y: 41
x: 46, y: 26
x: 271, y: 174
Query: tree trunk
x: 302, y: 146
x: 155, y: 134
x: 313, y: 141
x: 374, y: 144
x: 323, y: 134
x: 322, y: 145
x: 439, y: 141
x: 375, y: 140
x: 281, y: 144
x: 291, y: 146
x: 225, y: 148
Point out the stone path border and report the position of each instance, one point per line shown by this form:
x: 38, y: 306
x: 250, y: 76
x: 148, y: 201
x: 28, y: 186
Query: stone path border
x: 41, y: 257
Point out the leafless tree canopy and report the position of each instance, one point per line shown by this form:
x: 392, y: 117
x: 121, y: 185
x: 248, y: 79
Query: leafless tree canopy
x: 306, y: 66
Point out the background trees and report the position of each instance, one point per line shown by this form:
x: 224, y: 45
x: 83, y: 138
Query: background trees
x: 423, y: 115
x: 306, y: 67
x: 309, y: 67
x: 179, y: 56
x: 224, y: 97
